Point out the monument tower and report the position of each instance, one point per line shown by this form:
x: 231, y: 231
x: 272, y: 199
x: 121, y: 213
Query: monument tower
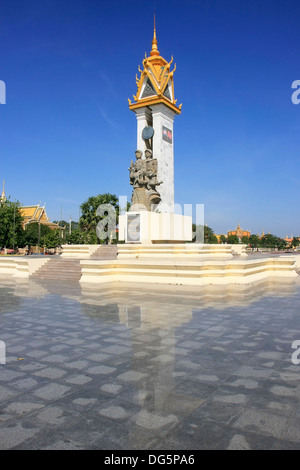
x: 151, y: 217
x: 155, y: 108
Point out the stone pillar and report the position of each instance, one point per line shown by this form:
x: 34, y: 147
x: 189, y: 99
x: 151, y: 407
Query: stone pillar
x: 144, y: 119
x: 163, y: 150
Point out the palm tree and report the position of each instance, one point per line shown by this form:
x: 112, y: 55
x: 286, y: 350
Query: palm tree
x: 90, y: 209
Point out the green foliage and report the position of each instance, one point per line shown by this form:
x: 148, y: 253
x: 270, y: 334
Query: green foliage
x: 64, y: 223
x: 271, y: 241
x: 209, y: 236
x: 232, y: 239
x: 35, y: 233
x: 74, y: 237
x: 11, y: 230
x: 89, y: 219
x: 79, y: 237
x: 254, y: 241
x: 245, y: 240
x: 295, y: 242
x: 204, y: 234
x: 52, y: 239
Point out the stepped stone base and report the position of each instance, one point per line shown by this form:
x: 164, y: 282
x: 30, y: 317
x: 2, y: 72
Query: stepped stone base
x: 192, y: 251
x: 89, y: 251
x: 187, y: 272
x: 160, y: 267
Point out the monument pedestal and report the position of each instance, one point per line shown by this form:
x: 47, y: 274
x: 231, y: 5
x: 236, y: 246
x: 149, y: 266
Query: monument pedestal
x: 153, y: 227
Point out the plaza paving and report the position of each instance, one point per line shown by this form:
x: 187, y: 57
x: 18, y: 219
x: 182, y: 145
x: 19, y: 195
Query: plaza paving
x: 127, y: 367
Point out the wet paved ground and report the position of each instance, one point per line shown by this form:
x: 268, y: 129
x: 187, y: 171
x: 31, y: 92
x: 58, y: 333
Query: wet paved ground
x: 170, y: 368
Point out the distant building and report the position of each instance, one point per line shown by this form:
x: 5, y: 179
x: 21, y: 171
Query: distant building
x: 37, y: 213
x: 239, y: 232
x: 290, y: 239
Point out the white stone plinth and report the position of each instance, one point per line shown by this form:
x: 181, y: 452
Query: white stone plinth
x: 155, y: 227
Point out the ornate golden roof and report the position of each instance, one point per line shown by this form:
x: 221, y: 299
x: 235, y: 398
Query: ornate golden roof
x: 34, y: 213
x: 37, y: 213
x: 155, y: 84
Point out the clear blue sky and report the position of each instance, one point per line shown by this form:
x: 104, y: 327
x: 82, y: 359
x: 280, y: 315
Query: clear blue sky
x: 66, y: 132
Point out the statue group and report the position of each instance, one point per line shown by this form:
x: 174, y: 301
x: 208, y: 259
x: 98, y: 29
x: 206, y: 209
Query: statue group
x: 143, y: 178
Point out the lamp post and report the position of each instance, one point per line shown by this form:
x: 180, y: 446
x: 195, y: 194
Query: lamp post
x: 39, y: 237
x: 14, y: 226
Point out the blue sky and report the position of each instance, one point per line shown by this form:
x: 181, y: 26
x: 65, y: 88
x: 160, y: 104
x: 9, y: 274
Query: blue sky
x: 66, y: 132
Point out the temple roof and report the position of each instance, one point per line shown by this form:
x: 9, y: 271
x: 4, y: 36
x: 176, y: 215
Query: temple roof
x: 36, y: 213
x: 155, y: 84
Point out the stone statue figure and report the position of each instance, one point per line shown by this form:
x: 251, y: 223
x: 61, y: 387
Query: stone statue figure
x: 137, y: 170
x: 143, y: 178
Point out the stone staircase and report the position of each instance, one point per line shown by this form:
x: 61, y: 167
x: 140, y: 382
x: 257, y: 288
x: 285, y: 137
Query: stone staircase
x: 105, y: 252
x: 69, y: 269
x: 59, y: 269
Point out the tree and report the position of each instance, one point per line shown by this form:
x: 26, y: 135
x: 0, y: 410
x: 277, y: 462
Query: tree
x: 52, y: 239
x: 223, y: 238
x: 64, y: 223
x: 232, y: 239
x: 280, y: 243
x: 74, y: 238
x: 254, y: 241
x: 35, y: 233
x: 271, y: 241
x: 295, y: 242
x: 94, y: 211
x: 209, y: 236
x: 11, y: 229
x: 245, y: 240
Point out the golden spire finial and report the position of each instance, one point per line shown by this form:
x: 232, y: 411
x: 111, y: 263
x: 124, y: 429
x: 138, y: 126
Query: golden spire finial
x: 154, y: 50
x: 3, y: 197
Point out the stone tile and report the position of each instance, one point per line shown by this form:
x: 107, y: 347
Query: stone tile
x: 114, y: 412
x: 52, y: 391
x: 131, y: 376
x: 50, y: 373
x: 78, y: 379
x: 13, y: 436
x: 260, y: 422
x: 100, y: 370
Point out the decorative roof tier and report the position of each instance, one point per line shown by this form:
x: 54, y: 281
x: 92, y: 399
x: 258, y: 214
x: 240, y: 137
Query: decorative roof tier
x: 155, y: 84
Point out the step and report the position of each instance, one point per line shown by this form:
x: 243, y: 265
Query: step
x: 105, y: 252
x: 59, y: 269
